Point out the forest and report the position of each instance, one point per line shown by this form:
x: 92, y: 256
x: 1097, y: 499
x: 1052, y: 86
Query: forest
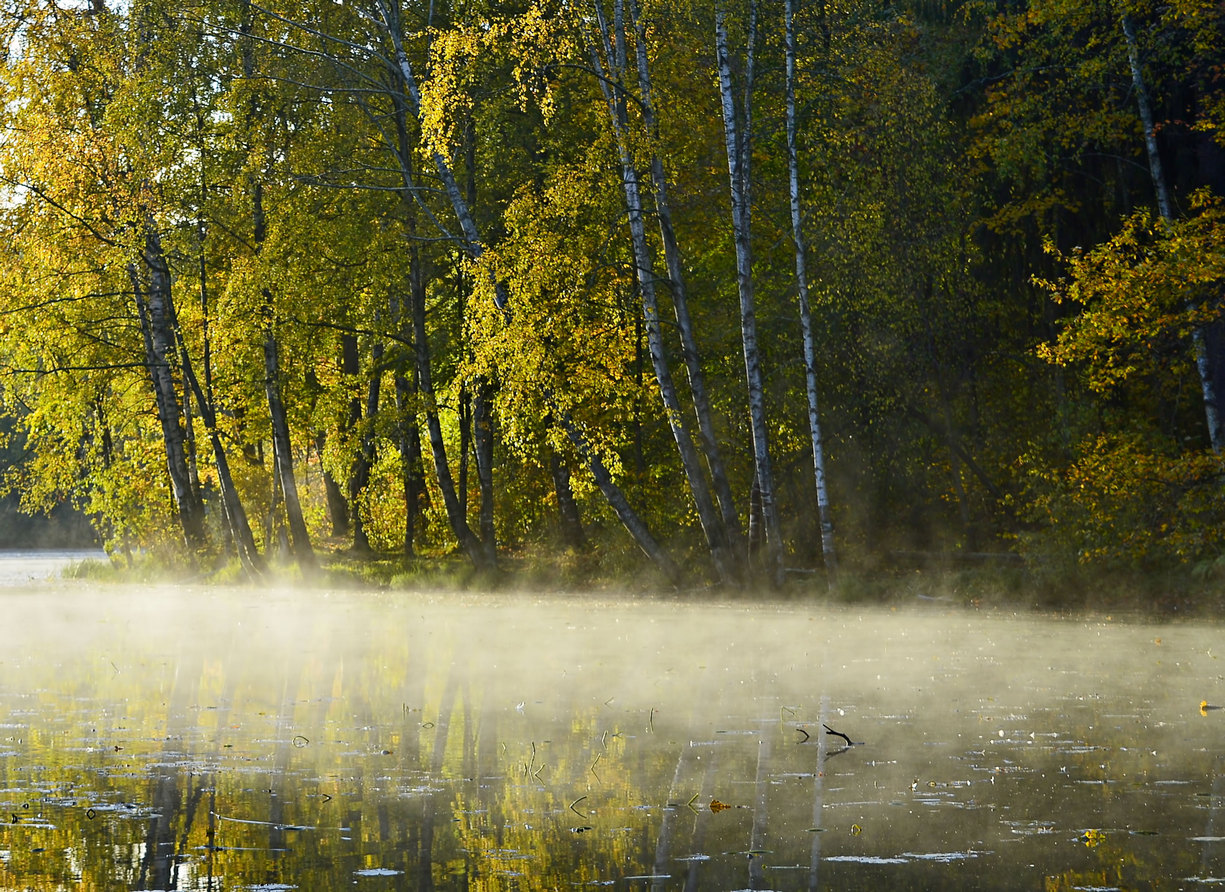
x: 712, y: 292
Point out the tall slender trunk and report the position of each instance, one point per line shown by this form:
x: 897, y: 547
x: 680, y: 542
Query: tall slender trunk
x: 680, y: 301
x: 237, y: 524
x: 351, y: 368
x: 406, y: 392
x: 1208, y: 366
x: 442, y: 468
x: 365, y: 458
x: 824, y: 515
x: 737, y: 127
x: 155, y: 309
x: 472, y: 243
x: 282, y: 445
x: 612, y: 68
x: 483, y: 439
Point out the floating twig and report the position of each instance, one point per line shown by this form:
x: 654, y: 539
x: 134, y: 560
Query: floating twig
x: 575, y: 810
x: 807, y: 736
x: 592, y: 768
x: 829, y: 730
x: 651, y: 721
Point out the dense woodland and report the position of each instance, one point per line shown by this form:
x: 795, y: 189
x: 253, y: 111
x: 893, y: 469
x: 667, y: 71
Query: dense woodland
x: 716, y: 290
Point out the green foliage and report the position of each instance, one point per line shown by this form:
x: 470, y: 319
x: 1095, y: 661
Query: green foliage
x: 983, y: 381
x: 1141, y: 295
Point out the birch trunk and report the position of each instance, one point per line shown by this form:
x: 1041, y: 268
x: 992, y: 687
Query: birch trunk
x: 613, y: 67
x: 473, y: 246
x: 738, y: 133
x: 680, y: 301
x: 824, y: 516
x: 155, y: 310
x: 1214, y: 406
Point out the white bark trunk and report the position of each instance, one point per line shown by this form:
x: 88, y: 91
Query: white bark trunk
x: 801, y: 277
x: 680, y: 301
x: 739, y: 158
x: 612, y: 66
x: 156, y: 312
x: 1213, y: 411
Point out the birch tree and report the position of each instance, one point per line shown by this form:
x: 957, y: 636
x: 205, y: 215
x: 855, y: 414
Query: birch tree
x: 738, y: 136
x: 801, y: 280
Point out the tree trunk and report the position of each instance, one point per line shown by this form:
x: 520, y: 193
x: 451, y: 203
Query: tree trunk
x: 738, y: 132
x: 442, y: 468
x: 613, y: 65
x: 824, y: 516
x: 680, y: 302
x: 338, y: 505
x: 472, y: 243
x: 570, y: 522
x: 237, y: 524
x: 282, y: 446
x: 155, y: 310
x: 482, y: 435
x: 282, y: 451
x: 1209, y: 366
x: 365, y: 458
x: 351, y: 368
x: 409, y: 431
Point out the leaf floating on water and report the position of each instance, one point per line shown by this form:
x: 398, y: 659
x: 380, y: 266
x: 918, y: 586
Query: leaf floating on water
x: 1093, y: 838
x: 856, y: 830
x: 1204, y: 706
x: 716, y: 806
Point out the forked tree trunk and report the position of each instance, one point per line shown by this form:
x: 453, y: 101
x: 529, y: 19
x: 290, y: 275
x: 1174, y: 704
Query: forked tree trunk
x: 473, y: 246
x: 680, y: 301
x: 610, y: 70
x: 155, y: 310
x: 237, y: 524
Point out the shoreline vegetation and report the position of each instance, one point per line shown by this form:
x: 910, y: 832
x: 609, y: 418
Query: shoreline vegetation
x: 777, y: 298
x: 997, y: 582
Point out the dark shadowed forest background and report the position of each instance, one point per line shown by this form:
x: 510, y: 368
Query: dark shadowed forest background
x: 720, y: 291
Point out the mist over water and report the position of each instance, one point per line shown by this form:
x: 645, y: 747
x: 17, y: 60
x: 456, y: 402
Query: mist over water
x: 197, y: 738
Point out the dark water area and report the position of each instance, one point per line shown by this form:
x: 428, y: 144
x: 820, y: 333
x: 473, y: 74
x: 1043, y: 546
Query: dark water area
x: 197, y: 739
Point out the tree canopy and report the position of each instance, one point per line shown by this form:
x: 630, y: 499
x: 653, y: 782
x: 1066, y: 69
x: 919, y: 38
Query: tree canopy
x: 723, y: 289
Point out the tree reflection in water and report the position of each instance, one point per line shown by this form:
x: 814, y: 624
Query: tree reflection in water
x: 193, y: 741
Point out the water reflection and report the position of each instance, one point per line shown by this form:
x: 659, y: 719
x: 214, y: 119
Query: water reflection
x: 194, y: 739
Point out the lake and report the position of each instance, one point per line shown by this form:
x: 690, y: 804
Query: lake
x: 198, y: 738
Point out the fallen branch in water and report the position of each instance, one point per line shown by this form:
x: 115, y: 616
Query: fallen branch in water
x: 829, y: 730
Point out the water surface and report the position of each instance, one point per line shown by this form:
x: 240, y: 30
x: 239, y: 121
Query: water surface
x: 191, y: 738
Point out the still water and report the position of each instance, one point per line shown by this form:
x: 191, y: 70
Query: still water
x: 191, y: 738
